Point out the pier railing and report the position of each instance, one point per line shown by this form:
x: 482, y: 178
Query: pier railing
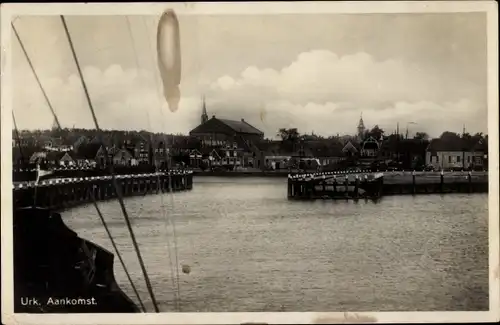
x: 25, y: 174
x: 353, y: 185
x: 63, y: 193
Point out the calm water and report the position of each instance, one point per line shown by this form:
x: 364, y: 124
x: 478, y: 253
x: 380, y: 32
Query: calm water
x: 250, y: 249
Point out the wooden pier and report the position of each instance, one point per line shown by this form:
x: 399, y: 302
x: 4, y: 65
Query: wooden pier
x: 63, y: 193
x: 349, y: 185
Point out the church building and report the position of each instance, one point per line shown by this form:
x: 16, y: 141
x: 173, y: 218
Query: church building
x: 236, y: 139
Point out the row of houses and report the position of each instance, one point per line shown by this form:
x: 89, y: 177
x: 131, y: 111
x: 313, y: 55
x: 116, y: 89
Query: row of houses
x: 226, y: 141
x: 100, y: 150
x: 239, y: 143
x: 91, y: 157
x: 402, y: 153
x: 230, y: 143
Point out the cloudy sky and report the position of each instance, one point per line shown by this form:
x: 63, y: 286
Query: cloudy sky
x: 314, y: 72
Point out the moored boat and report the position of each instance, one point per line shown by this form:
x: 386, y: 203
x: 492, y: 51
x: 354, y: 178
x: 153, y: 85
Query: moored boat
x: 57, y: 271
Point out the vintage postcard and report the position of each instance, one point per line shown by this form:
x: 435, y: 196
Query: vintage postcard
x: 233, y: 163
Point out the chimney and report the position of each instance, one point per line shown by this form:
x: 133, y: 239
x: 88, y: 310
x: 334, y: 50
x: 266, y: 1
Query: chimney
x: 242, y: 120
x: 213, y: 116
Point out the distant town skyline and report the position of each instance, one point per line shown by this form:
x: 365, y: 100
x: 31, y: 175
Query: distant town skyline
x: 316, y: 73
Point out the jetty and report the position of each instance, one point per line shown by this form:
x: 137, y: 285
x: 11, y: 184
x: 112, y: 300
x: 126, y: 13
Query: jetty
x: 355, y: 185
x: 63, y: 193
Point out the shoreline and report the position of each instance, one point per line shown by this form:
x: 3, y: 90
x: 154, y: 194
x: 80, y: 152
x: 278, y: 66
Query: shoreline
x: 242, y: 174
x: 391, y: 179
x: 388, y: 174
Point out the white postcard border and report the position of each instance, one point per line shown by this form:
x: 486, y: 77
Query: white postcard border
x: 9, y: 11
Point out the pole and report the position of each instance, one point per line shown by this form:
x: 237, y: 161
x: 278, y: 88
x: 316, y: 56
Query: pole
x: 413, y: 182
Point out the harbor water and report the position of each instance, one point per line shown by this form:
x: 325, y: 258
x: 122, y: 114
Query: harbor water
x: 250, y: 249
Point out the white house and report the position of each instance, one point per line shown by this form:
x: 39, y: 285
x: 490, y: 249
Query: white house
x: 124, y: 158
x: 349, y: 149
x: 370, y: 147
x: 215, y: 158
x: 454, y: 153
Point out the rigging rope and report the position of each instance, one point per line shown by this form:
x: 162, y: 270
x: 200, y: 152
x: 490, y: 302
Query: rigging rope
x: 18, y: 137
x: 154, y: 158
x: 116, y: 250
x: 115, y: 182
x: 169, y: 179
x: 103, y: 221
x: 35, y: 74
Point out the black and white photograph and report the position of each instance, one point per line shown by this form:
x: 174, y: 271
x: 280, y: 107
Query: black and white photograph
x: 239, y: 162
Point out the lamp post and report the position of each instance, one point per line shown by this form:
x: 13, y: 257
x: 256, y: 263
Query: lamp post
x: 407, y: 124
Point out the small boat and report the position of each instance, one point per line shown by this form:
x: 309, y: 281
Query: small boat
x: 57, y: 271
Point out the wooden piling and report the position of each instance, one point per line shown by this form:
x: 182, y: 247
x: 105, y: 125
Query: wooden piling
x: 414, y: 187
x: 380, y: 186
x: 442, y: 182
x: 356, y: 187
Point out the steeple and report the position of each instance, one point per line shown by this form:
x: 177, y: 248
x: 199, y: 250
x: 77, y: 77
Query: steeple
x: 204, y: 115
x: 361, y: 126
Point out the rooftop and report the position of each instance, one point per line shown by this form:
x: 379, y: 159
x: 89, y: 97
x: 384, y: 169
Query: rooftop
x: 221, y: 124
x: 241, y: 126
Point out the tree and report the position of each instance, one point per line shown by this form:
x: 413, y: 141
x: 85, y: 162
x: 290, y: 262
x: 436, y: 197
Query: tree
x: 310, y: 137
x: 449, y: 135
x: 289, y: 137
x: 376, y: 132
x: 289, y: 134
x: 421, y: 136
x: 478, y: 137
x: 418, y: 163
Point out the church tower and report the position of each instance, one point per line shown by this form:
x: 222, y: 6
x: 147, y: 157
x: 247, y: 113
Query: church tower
x: 204, y: 115
x: 361, y: 127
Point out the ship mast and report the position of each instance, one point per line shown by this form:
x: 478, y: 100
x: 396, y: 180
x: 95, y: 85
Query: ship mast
x: 93, y: 198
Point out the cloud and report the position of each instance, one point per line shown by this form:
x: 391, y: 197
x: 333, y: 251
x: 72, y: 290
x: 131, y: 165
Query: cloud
x: 122, y: 99
x: 331, y: 118
x: 319, y: 91
x: 324, y: 92
x: 322, y: 76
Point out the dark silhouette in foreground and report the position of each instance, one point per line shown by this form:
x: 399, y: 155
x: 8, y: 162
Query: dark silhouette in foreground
x: 55, y: 271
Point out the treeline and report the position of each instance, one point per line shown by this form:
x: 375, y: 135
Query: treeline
x: 292, y: 134
x: 66, y: 132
